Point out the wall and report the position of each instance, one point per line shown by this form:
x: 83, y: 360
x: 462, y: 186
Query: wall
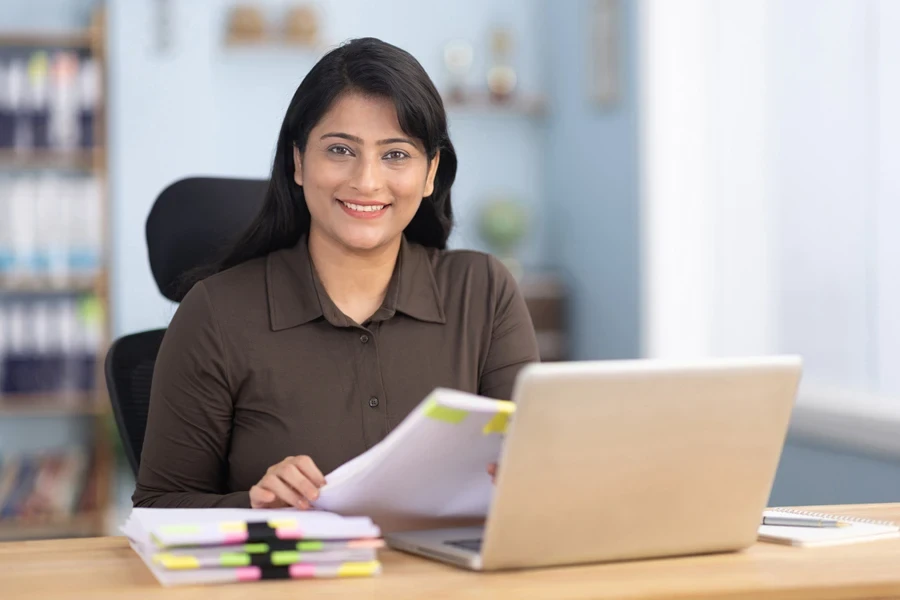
x: 816, y: 473
x: 592, y: 184
x: 45, y: 14
x: 200, y: 109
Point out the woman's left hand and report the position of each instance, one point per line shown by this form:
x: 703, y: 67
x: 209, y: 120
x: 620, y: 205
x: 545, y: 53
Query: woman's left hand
x: 492, y: 471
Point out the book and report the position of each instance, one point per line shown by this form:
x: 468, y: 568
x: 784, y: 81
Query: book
x: 446, y: 442
x: 854, y: 530
x: 218, y: 545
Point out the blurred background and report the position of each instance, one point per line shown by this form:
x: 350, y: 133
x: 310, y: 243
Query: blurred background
x: 666, y: 179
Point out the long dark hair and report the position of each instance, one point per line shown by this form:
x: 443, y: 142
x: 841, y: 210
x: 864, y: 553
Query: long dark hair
x: 369, y: 66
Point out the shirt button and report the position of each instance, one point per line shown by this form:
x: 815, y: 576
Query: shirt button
x: 364, y: 338
x: 373, y: 402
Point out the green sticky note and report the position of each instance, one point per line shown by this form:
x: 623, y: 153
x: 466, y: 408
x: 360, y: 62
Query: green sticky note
x: 311, y: 546
x: 285, y: 557
x: 438, y: 412
x: 256, y: 548
x: 234, y: 559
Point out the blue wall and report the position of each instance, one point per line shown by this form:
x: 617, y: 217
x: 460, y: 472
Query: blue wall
x: 591, y: 198
x: 816, y: 473
x: 45, y: 14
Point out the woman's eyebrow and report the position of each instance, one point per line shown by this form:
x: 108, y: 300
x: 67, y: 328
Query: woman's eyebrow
x: 358, y: 140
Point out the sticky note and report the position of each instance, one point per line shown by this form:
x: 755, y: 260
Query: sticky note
x: 233, y: 527
x: 234, y: 559
x: 171, y: 561
x: 438, y: 412
x: 497, y: 424
x: 357, y: 569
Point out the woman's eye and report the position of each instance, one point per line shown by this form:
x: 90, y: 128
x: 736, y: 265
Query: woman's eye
x: 396, y: 155
x: 340, y: 150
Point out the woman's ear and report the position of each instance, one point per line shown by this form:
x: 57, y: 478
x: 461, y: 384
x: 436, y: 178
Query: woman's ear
x: 432, y: 172
x: 298, y: 166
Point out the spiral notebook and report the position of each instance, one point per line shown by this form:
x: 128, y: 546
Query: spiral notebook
x: 856, y: 529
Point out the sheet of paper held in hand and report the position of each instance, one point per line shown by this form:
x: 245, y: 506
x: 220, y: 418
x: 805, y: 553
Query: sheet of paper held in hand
x: 431, y: 470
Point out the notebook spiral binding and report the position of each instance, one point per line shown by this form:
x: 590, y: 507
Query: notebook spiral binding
x: 843, y: 518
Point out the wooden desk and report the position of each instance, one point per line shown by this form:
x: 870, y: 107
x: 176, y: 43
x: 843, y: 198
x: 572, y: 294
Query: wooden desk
x: 107, y: 568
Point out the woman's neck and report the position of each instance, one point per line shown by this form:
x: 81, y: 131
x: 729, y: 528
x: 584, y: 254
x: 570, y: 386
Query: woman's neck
x: 355, y: 282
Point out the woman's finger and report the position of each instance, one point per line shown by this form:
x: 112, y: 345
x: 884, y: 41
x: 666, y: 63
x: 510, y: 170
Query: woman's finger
x: 291, y: 474
x: 274, y: 483
x: 262, y: 498
x: 309, y: 468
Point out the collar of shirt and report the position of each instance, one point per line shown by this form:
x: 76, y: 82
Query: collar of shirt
x: 296, y: 295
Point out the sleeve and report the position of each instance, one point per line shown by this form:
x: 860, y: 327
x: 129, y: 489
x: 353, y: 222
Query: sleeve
x: 513, y: 341
x: 184, y: 457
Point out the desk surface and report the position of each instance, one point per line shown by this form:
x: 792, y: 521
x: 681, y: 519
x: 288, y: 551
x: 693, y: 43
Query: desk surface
x: 107, y: 568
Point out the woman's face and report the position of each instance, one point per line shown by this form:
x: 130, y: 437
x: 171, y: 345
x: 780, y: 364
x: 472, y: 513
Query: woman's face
x: 362, y: 176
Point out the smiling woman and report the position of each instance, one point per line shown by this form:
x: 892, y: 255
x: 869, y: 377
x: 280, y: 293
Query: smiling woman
x: 339, y: 309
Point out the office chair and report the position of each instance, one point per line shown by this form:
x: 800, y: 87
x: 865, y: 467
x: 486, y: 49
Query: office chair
x: 191, y: 223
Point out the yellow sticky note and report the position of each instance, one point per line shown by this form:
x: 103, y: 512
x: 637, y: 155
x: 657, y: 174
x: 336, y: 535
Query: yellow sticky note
x: 360, y: 569
x: 497, y: 424
x: 283, y: 523
x: 438, y: 412
x: 171, y: 561
x: 232, y: 527
x: 506, y: 406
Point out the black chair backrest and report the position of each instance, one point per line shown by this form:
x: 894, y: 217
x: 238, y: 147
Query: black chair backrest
x: 129, y: 371
x: 194, y: 221
x: 190, y: 225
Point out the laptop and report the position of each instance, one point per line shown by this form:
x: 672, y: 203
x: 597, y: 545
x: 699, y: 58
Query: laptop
x: 621, y: 460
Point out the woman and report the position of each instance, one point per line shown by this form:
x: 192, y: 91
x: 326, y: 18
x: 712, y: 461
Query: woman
x: 339, y: 310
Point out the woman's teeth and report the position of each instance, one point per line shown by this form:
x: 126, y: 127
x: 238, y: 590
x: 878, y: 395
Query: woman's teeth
x: 361, y: 208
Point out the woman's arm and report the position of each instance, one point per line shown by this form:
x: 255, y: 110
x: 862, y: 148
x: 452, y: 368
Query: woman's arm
x: 513, y: 341
x: 184, y: 461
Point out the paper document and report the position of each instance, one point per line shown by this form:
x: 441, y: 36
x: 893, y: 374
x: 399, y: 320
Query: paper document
x: 431, y: 466
x: 853, y: 530
x: 219, y: 545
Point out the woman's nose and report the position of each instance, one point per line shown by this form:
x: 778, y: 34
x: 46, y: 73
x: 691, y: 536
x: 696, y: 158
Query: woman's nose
x: 367, y: 176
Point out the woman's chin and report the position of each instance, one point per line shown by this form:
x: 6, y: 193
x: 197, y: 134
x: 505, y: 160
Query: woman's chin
x: 364, y: 241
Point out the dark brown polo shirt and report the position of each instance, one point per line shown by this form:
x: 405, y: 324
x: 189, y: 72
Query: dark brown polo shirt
x: 259, y: 364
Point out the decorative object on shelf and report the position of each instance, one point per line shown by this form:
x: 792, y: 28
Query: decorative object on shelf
x: 603, y: 60
x: 501, y: 76
x: 246, y: 25
x: 503, y: 224
x: 298, y: 26
x: 301, y: 26
x: 458, y: 57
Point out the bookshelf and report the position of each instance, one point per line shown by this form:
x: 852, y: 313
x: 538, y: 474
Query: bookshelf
x: 79, y: 290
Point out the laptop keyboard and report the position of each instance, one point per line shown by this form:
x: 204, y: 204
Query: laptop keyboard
x: 473, y: 545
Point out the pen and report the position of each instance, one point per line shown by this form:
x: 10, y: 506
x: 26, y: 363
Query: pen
x: 802, y: 522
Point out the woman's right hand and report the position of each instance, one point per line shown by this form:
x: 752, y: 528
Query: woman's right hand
x: 293, y: 482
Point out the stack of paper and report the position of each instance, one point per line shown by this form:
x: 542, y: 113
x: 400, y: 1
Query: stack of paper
x: 192, y: 546
x: 430, y: 470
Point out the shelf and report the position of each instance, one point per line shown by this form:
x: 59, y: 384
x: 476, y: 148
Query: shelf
x: 45, y: 285
x: 81, y: 160
x: 77, y: 38
x: 62, y: 403
x: 80, y: 525
x: 523, y: 105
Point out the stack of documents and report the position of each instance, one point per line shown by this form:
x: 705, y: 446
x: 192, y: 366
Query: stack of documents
x: 218, y: 545
x: 429, y: 470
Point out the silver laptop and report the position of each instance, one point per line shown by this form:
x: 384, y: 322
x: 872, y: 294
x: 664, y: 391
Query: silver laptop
x: 619, y: 460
